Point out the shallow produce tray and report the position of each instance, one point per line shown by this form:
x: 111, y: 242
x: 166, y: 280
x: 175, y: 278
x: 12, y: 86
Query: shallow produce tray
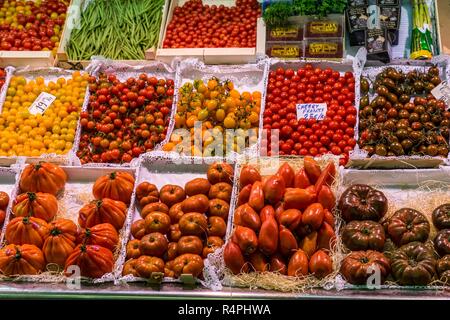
x: 422, y: 190
x: 77, y: 193
x: 163, y: 169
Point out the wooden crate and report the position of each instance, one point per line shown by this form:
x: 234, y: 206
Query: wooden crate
x: 63, y: 60
x: 30, y: 58
x: 211, y: 55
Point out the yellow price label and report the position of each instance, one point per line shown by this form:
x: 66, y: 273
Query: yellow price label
x: 323, y: 48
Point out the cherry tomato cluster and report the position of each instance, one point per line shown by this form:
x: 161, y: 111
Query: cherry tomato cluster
x: 309, y: 84
x: 195, y: 25
x: 124, y: 119
x: 29, y: 25
x: 2, y: 77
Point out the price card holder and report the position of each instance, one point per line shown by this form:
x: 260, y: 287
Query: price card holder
x: 442, y: 92
x: 42, y: 102
x: 311, y: 110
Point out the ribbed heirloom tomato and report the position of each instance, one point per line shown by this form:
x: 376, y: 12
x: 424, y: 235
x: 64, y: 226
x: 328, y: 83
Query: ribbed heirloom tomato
x: 299, y: 136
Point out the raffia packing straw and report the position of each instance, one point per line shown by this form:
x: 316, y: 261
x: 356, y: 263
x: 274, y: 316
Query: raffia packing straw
x: 421, y: 43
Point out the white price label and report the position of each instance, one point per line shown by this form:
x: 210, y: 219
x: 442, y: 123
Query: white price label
x: 42, y: 102
x: 442, y: 92
x: 311, y: 110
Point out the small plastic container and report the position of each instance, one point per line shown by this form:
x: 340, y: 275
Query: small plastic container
x: 330, y: 27
x: 378, y: 46
x: 390, y: 19
x: 289, y: 33
x: 285, y: 50
x: 324, y: 48
x: 358, y: 3
x: 357, y: 24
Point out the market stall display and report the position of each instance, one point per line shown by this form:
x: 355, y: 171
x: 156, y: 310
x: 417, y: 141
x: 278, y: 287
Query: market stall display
x: 128, y: 114
x: 31, y: 31
x: 63, y: 217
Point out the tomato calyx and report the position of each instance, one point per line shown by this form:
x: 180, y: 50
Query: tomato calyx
x: 55, y: 232
x: 18, y: 254
x: 31, y: 196
x: 112, y: 175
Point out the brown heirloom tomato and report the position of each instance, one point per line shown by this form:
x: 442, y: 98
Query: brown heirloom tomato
x: 116, y: 186
x: 188, y: 263
x: 301, y: 179
x: 362, y: 202
x: 290, y: 218
x: 443, y: 268
x: 355, y: 266
x: 258, y: 262
x: 153, y: 244
x: 249, y: 175
x: 174, y: 232
x: 217, y: 227
x: 4, y: 200
x: 152, y: 207
x: 27, y: 230
x: 288, y: 174
x: 94, y: 261
x: 246, y: 238
x: 42, y: 177
x: 442, y: 242
x: 256, y: 199
x: 244, y: 194
x: 103, y: 211
x: 198, y: 203
x: 171, y: 194
x: 320, y: 264
x: 103, y: 234
x: 298, y: 264
x: 24, y: 259
x: 157, y: 222
x: 295, y: 198
x: 441, y: 217
x: 197, y: 186
x: 274, y: 188
x: 364, y: 235
x: 267, y: 239
x: 234, y: 260
x: 175, y: 213
x: 40, y: 205
x: 138, y: 229
x: 288, y: 243
x: 146, y: 193
x: 133, y: 249
x: 278, y: 264
x: 146, y: 265
x: 212, y: 243
x: 172, y: 251
x: 190, y: 244
x: 220, y: 172
x: 221, y: 190
x: 130, y: 268
x: 408, y: 225
x: 60, y: 242
x: 193, y: 223
x: 413, y: 264
x: 219, y: 208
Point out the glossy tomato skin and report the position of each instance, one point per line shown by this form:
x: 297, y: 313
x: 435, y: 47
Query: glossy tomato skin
x: 233, y: 258
x: 320, y: 264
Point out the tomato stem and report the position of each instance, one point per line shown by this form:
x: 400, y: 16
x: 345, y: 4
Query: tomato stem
x: 112, y: 176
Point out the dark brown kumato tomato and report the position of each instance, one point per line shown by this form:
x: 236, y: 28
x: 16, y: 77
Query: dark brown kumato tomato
x: 441, y: 217
x: 362, y: 202
x: 408, y: 225
x: 355, y: 266
x: 364, y: 235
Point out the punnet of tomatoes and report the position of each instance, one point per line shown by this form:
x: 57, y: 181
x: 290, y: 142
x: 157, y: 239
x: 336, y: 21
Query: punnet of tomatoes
x: 288, y: 87
x: 398, y: 115
x: 195, y: 25
x: 40, y: 234
x: 124, y: 119
x: 32, y: 25
x: 179, y: 226
x: 284, y: 222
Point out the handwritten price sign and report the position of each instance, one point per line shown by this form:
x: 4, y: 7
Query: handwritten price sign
x: 311, y: 110
x: 442, y: 92
x: 42, y: 102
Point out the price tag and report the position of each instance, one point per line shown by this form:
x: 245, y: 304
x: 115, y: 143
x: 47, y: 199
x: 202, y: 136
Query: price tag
x: 311, y: 110
x: 442, y: 92
x: 42, y: 102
